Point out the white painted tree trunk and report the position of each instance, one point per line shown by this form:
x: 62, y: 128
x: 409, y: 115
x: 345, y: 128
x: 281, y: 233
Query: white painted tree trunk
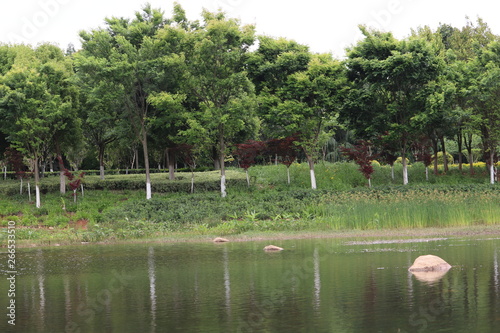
x: 37, y: 196
x: 248, y: 178
x: 288, y: 174
x: 405, y: 171
x: 192, y: 182
x: 29, y: 192
x: 101, y: 172
x: 313, y: 179
x: 369, y: 182
x: 405, y: 174
x: 148, y: 190
x: 392, y: 172
x: 21, y: 188
x: 81, y: 185
x: 427, y: 173
x: 62, y: 183
x: 223, y: 186
x: 492, y: 173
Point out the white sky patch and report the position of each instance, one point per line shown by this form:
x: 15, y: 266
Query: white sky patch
x: 325, y: 26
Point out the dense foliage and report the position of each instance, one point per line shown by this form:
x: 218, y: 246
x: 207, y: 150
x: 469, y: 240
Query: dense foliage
x: 152, y: 84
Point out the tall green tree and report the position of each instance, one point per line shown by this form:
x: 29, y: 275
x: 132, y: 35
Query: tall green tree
x: 485, y: 89
x: 390, y: 80
x: 269, y: 68
x: 37, y: 102
x: 309, y: 104
x: 100, y: 110
x: 216, y: 76
x: 124, y: 57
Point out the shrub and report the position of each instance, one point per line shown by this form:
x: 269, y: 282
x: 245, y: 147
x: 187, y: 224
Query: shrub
x: 440, y: 159
x: 399, y: 160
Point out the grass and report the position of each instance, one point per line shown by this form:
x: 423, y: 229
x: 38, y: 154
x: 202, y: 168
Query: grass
x: 341, y: 203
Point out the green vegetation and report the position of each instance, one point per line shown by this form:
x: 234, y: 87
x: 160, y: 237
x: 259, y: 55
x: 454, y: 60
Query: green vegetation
x: 342, y: 202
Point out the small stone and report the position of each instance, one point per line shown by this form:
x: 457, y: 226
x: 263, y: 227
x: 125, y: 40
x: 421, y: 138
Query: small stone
x: 273, y: 248
x: 220, y: 240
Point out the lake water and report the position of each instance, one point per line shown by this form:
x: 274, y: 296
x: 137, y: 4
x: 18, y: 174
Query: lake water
x: 314, y: 285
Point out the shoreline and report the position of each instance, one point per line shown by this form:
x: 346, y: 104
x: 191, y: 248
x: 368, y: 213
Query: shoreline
x: 371, y: 234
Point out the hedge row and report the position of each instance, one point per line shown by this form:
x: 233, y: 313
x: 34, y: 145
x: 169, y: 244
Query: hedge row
x: 128, y: 184
x: 12, y: 174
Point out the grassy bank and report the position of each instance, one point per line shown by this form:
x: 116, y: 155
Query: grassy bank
x: 342, y: 203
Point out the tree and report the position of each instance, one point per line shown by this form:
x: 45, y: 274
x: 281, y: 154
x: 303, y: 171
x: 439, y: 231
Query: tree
x: 285, y: 150
x: 309, y: 104
x: 389, y: 78
x: 35, y: 104
x: 100, y: 109
x: 216, y: 76
x: 486, y: 100
x: 422, y: 154
x: 269, y: 68
x: 125, y: 57
x: 362, y: 155
x: 247, y: 152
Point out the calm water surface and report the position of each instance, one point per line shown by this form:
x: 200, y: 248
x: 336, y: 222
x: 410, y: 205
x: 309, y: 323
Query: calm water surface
x: 315, y: 285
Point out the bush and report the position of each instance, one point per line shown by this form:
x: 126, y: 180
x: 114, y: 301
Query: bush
x: 440, y: 159
x: 399, y: 160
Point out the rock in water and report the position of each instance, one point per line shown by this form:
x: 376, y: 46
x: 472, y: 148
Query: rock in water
x: 273, y: 248
x: 220, y: 240
x: 429, y: 263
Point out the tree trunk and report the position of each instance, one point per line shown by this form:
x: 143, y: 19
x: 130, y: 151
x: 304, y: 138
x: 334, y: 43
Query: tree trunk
x: 492, y: 166
x: 445, y: 157
x: 62, y: 177
x: 171, y: 164
x: 405, y: 166
x: 435, y: 149
x: 136, y: 156
x: 392, y: 171
x: 101, y: 161
x: 192, y: 181
x: 222, y: 149
x: 37, y: 182
x: 311, y: 171
x: 248, y: 177
x: 144, y: 142
x: 288, y: 174
x: 468, y: 146
x: 459, y: 144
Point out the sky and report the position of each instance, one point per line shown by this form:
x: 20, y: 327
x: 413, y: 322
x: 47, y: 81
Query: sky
x: 323, y: 25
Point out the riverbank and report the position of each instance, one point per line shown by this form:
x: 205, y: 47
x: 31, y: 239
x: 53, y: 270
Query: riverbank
x: 268, y: 209
x: 421, y: 234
